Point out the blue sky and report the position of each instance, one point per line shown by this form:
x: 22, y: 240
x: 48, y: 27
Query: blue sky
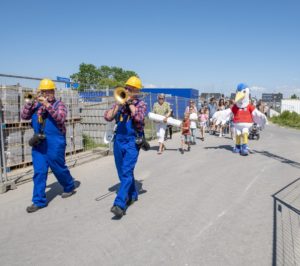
x: 209, y: 45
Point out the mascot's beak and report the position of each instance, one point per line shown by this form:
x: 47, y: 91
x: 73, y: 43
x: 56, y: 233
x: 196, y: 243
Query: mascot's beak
x: 239, y: 96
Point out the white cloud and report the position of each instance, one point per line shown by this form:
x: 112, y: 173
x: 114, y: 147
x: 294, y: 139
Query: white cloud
x: 149, y: 85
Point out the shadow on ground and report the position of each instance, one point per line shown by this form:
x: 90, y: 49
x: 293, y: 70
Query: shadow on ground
x: 55, y: 189
x: 112, y: 190
x: 155, y: 148
x: 221, y: 147
x: 279, y: 158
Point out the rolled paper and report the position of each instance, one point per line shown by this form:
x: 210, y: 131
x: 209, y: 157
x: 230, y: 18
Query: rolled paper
x: 159, y: 118
x: 174, y: 122
x: 193, y: 116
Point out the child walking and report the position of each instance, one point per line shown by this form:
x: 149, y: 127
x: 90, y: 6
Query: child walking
x: 185, y: 133
x: 203, y: 117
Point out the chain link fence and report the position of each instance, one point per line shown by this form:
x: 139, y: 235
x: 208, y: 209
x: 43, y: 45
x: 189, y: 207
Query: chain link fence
x: 85, y: 124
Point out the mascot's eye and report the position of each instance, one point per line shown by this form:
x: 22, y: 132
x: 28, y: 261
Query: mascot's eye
x: 244, y: 91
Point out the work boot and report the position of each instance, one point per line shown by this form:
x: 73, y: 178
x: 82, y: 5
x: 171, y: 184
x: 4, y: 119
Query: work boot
x: 33, y: 208
x: 117, y: 211
x: 68, y: 194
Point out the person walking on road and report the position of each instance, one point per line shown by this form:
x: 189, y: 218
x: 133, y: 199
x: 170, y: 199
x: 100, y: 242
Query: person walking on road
x: 161, y: 108
x: 203, y: 117
x: 48, y: 116
x: 169, y: 128
x: 192, y: 110
x: 212, y: 108
x: 185, y: 133
x: 129, y: 118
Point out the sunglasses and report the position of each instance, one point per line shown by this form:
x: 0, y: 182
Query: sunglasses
x: 161, y: 98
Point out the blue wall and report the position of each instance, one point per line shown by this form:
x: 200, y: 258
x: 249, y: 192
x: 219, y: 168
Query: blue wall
x: 180, y: 92
x: 177, y: 104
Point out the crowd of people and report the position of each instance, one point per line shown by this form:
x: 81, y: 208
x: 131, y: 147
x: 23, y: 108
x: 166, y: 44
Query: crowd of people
x: 48, y: 117
x: 201, y: 119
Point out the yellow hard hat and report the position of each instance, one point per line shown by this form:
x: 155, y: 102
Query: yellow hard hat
x: 46, y: 84
x: 134, y: 82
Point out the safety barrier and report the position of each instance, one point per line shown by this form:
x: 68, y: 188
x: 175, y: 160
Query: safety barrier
x: 286, y: 225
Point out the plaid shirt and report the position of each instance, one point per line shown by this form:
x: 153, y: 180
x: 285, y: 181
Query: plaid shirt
x: 138, y: 117
x: 59, y: 114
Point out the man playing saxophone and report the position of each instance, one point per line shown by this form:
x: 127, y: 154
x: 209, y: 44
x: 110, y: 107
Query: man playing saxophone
x: 129, y: 117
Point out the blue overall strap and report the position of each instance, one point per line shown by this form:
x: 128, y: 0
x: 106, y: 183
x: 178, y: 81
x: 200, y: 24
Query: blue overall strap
x: 117, y: 117
x: 55, y: 105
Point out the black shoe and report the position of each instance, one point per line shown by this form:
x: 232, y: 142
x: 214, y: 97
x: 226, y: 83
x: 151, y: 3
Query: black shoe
x: 189, y: 148
x: 68, y: 194
x: 117, y: 211
x: 33, y: 208
x: 181, y: 150
x: 129, y: 202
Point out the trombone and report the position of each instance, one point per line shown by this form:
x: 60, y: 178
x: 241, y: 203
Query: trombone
x: 29, y: 97
x: 121, y: 95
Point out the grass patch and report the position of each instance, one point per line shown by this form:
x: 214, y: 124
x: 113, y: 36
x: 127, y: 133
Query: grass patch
x: 289, y: 119
x: 89, y: 143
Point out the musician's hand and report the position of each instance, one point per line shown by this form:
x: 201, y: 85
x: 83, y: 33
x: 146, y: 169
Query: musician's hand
x: 165, y: 120
x: 129, y: 101
x: 43, y: 101
x: 132, y: 109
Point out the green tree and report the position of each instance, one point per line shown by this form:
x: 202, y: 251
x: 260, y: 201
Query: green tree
x: 91, y: 76
x: 87, y: 76
x: 294, y: 96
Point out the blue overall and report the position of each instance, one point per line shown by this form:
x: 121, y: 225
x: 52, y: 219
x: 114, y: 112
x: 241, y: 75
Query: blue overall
x: 50, y: 152
x: 126, y: 153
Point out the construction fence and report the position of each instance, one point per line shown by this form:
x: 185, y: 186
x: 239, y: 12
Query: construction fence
x: 85, y: 124
x: 286, y: 225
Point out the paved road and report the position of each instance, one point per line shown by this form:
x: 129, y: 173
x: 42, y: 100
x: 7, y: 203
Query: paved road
x: 206, y: 207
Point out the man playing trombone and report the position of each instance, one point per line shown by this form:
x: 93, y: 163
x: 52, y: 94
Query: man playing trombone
x: 128, y: 112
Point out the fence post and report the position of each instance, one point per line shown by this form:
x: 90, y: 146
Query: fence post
x: 3, y: 166
x: 274, y: 255
x: 110, y: 146
x: 176, y: 106
x: 107, y: 90
x: 152, y: 123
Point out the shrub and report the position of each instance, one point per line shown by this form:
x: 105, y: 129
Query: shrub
x: 287, y: 118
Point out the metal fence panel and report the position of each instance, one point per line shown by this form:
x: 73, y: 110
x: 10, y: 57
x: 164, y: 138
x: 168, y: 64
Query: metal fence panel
x: 286, y: 225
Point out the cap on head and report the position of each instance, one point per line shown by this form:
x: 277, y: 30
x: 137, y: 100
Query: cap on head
x: 161, y: 95
x: 134, y: 82
x: 46, y: 84
x: 241, y: 86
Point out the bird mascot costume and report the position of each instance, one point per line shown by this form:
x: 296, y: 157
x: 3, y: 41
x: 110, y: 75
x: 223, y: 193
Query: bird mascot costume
x: 244, y: 115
